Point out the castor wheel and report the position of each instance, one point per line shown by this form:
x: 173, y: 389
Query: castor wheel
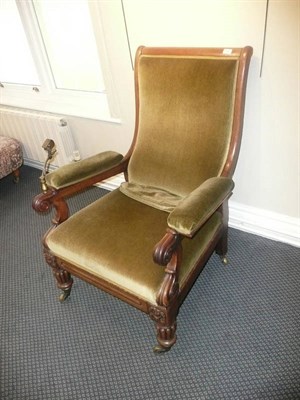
x: 158, y: 349
x: 64, y: 295
x: 224, y: 260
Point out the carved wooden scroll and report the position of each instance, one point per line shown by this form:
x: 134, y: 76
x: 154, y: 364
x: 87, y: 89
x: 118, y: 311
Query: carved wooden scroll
x: 169, y: 252
x: 45, y: 201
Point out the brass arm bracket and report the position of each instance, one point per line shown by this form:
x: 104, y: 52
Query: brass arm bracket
x: 48, y: 146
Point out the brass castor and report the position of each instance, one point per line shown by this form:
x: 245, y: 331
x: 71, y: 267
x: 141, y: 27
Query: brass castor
x: 159, y: 349
x: 64, y: 295
x: 224, y: 260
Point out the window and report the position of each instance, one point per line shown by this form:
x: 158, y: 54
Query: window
x: 16, y: 49
x: 51, y: 52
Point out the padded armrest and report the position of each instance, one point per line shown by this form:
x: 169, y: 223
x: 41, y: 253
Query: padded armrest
x: 199, y: 205
x: 84, y: 169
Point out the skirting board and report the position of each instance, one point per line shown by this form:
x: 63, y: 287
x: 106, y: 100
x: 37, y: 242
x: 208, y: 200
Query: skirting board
x: 265, y: 223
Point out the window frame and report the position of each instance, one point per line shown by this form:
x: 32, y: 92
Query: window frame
x: 45, y: 96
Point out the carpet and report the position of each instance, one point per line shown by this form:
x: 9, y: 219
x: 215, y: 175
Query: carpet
x: 238, y: 330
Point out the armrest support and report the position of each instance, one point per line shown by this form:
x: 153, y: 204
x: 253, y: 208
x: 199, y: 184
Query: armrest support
x: 192, y: 212
x: 76, y: 172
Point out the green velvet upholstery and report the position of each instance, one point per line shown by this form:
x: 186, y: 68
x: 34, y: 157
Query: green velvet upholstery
x: 114, y: 239
x: 78, y: 171
x: 199, y: 205
x: 185, y: 121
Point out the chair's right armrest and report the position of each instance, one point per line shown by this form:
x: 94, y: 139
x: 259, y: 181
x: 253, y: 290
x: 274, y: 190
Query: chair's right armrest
x: 193, y: 211
x: 80, y: 171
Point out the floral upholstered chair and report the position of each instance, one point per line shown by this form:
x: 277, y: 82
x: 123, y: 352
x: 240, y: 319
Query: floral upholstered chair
x: 11, y: 157
x: 147, y: 241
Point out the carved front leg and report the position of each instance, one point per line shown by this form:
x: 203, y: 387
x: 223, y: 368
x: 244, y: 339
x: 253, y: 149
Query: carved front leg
x: 165, y: 328
x: 63, y: 278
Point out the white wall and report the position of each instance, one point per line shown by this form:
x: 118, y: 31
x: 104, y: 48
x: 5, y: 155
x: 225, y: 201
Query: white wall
x: 268, y: 172
x: 267, y: 175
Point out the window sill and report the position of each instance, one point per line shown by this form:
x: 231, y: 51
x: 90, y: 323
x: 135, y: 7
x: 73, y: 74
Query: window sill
x: 78, y: 104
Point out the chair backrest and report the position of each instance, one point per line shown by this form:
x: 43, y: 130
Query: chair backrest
x: 189, y: 115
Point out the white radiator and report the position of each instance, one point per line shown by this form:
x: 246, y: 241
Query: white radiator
x: 31, y: 128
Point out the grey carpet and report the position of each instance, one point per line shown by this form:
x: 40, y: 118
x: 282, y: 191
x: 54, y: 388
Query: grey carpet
x: 238, y: 330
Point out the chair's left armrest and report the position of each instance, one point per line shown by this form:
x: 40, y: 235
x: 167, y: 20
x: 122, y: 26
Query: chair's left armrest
x: 73, y: 178
x: 194, y: 210
x: 76, y: 172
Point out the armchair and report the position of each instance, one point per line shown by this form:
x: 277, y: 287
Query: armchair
x: 147, y: 241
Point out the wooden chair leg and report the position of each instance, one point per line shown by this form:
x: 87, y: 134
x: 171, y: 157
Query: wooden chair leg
x: 165, y: 328
x: 222, y: 247
x: 16, y: 175
x: 63, y: 278
x: 166, y: 337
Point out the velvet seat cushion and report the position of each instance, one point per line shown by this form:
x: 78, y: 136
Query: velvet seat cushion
x: 114, y: 237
